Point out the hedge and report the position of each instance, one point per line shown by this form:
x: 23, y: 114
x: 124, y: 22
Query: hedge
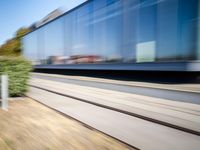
x: 18, y: 70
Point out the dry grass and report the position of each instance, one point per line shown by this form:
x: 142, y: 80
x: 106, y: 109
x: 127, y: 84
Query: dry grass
x: 28, y: 125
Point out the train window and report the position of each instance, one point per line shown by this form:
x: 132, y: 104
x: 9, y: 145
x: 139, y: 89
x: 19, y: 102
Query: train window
x: 68, y: 34
x: 167, y: 31
x: 176, y: 25
x: 114, y: 34
x: 188, y: 24
x: 54, y: 44
x: 146, y: 31
x: 130, y: 29
x: 30, y: 47
x: 84, y: 32
x: 98, y: 24
x: 41, y: 49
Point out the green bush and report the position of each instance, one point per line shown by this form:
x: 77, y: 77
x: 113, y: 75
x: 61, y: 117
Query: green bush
x: 18, y: 70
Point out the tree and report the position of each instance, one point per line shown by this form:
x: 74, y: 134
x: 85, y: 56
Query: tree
x: 13, y: 47
x: 21, y: 32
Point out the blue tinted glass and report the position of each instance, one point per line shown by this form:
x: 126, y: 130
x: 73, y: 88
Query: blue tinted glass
x: 188, y: 21
x: 146, y: 40
x: 98, y: 24
x: 75, y: 42
x: 30, y: 46
x: 114, y: 31
x: 68, y: 33
x: 130, y: 28
x: 41, y: 49
x: 84, y: 33
x: 98, y: 4
x: 54, y: 44
x: 167, y: 31
x: 176, y: 29
x: 147, y: 20
x: 111, y: 1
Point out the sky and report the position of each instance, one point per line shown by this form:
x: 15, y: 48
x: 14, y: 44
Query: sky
x: 15, y: 14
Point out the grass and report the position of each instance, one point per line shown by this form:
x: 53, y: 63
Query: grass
x: 30, y: 125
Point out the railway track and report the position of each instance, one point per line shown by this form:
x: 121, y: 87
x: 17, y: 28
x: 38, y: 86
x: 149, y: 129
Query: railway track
x: 82, y: 122
x: 123, y: 111
x: 180, y: 93
x: 186, y: 138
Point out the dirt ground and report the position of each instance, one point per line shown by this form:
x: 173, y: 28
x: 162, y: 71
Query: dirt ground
x: 28, y: 125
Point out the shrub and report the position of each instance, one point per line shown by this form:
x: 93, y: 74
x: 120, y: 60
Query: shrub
x: 18, y: 71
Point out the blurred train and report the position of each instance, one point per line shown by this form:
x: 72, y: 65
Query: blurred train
x: 156, y: 35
